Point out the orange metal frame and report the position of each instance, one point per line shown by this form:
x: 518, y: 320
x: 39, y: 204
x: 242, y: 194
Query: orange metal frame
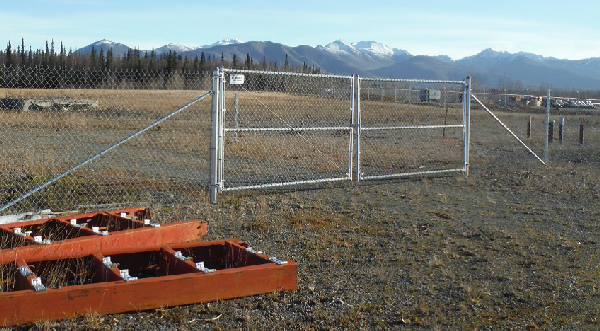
x: 88, y: 233
x: 127, y: 279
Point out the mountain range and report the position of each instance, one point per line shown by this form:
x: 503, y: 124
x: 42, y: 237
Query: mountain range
x: 372, y: 59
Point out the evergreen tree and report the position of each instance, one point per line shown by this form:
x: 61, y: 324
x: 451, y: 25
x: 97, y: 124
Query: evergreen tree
x: 109, y: 58
x: 202, y: 60
x: 248, y: 64
x: 9, y: 60
x: 23, y: 51
x: 93, y: 56
x: 286, y: 64
x: 235, y: 62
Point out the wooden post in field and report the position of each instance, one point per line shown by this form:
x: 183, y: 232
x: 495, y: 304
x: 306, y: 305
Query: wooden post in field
x: 445, y: 122
x: 551, y: 131
x: 529, y: 127
x: 561, y: 126
x: 581, y: 131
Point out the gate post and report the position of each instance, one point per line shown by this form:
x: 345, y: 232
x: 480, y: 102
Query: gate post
x: 352, y: 129
x: 357, y: 126
x: 467, y: 124
x: 221, y: 117
x: 214, y: 138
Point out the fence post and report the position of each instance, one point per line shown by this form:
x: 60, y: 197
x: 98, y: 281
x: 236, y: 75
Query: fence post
x: 467, y: 124
x: 561, y: 126
x: 357, y: 123
x: 214, y: 138
x: 551, y: 131
x: 221, y: 128
x: 581, y: 131
x: 352, y: 128
x: 547, y: 127
x: 235, y: 117
x: 529, y: 127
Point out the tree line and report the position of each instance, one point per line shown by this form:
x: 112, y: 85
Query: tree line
x: 55, y: 67
x: 135, y: 59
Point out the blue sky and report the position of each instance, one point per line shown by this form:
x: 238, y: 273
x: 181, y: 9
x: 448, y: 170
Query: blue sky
x: 458, y: 28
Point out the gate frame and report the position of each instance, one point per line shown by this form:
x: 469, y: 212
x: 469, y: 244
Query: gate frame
x: 355, y: 127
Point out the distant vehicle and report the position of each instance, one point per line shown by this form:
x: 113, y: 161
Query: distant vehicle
x: 557, y: 103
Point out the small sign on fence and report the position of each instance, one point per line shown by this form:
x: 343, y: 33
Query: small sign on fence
x: 236, y: 79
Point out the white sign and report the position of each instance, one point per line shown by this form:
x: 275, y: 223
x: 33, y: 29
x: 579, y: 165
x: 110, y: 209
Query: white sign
x: 236, y: 79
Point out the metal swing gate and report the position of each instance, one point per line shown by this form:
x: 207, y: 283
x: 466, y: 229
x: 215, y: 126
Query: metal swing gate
x: 272, y: 129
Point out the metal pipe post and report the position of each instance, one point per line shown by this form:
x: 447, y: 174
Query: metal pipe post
x: 357, y: 124
x: 352, y: 128
x: 547, y: 127
x: 235, y: 117
x: 221, y: 130
x: 214, y: 139
x: 467, y: 124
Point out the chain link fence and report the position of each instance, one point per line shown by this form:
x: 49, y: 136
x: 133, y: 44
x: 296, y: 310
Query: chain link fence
x: 73, y: 138
x: 285, y: 128
x: 569, y: 132
x: 275, y: 129
x: 410, y: 127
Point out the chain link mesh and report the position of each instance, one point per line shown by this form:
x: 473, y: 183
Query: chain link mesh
x: 53, y: 119
x: 284, y: 128
x: 410, y: 126
x: 524, y: 114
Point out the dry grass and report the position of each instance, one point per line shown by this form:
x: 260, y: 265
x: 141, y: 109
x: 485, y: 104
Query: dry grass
x: 513, y: 246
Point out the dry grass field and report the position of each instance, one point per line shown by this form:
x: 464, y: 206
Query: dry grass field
x: 513, y: 246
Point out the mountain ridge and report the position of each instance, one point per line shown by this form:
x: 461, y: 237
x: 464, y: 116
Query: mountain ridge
x: 370, y: 58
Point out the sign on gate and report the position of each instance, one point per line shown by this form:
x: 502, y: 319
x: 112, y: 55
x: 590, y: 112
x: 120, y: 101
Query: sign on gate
x: 236, y: 79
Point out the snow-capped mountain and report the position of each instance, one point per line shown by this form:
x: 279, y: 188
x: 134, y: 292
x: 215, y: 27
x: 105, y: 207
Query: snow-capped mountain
x: 372, y: 48
x: 224, y: 42
x: 179, y: 48
x: 104, y: 45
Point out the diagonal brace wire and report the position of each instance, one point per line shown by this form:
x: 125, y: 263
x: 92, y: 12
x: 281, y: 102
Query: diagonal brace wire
x: 507, y: 129
x: 97, y: 155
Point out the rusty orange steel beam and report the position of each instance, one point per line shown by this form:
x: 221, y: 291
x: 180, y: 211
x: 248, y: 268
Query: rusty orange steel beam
x: 121, y: 280
x: 88, y: 233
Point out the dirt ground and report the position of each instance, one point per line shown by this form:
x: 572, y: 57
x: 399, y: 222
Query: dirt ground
x: 513, y: 246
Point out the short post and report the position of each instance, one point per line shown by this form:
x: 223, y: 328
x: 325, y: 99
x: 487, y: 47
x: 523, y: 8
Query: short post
x: 529, y: 127
x: 561, y: 126
x: 581, y: 131
x: 382, y: 92
x: 551, y: 131
x: 445, y: 122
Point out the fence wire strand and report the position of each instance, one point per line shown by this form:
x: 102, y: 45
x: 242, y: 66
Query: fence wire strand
x: 507, y: 128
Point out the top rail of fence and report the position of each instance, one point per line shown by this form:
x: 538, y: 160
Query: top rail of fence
x: 400, y: 80
x: 298, y: 74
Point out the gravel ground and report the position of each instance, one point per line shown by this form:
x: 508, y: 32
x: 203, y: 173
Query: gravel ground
x: 513, y: 246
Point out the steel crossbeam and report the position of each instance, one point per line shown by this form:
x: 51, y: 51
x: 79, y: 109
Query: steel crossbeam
x: 87, y: 233
x: 128, y: 279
